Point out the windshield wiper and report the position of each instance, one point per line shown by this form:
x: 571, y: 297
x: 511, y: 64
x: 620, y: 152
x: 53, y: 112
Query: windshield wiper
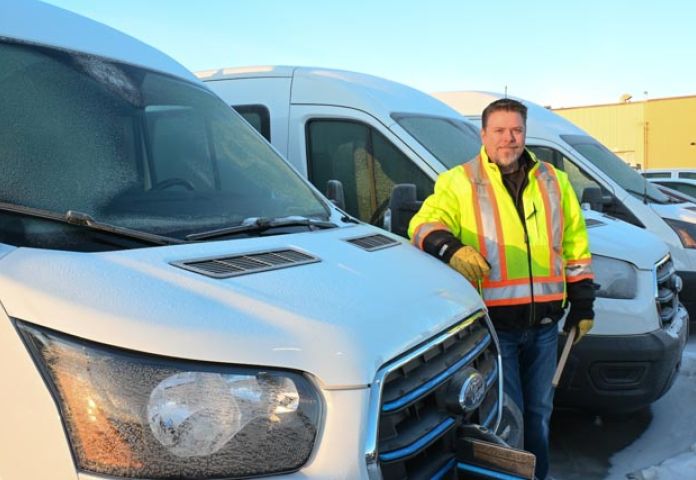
x: 261, y: 224
x: 80, y: 219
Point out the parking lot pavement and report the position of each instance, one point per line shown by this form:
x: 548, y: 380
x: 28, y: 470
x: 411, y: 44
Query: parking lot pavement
x: 582, y: 443
x: 661, y: 437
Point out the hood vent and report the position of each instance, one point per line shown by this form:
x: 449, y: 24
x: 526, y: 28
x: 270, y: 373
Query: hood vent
x: 591, y: 222
x: 373, y: 242
x: 226, y: 267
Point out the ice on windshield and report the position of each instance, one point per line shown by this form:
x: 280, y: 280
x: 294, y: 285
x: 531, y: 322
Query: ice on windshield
x: 134, y: 148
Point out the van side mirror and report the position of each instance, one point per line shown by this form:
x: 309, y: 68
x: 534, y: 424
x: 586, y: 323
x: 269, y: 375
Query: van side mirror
x: 594, y: 199
x: 334, y: 192
x: 403, y: 205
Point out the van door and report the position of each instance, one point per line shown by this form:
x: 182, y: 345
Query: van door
x: 360, y: 152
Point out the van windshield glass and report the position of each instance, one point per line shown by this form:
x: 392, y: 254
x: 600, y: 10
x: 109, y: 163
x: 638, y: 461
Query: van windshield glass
x: 627, y: 178
x: 451, y: 141
x: 134, y: 148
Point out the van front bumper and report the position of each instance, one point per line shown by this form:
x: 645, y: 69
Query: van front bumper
x: 622, y: 373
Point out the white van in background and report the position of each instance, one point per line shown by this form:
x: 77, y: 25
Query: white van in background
x: 372, y: 134
x: 590, y: 166
x: 178, y: 302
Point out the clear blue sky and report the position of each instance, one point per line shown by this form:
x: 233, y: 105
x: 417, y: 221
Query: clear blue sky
x: 551, y: 52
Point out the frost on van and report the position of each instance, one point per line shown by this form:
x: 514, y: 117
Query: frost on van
x: 146, y: 419
x: 193, y: 413
x: 110, y: 76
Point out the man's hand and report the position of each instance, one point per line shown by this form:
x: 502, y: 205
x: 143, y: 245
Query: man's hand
x: 470, y: 263
x: 581, y: 315
x: 584, y: 326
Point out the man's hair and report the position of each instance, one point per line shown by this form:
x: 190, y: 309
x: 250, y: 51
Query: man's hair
x: 506, y: 104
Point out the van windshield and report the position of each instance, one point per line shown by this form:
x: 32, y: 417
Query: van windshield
x: 627, y: 178
x: 133, y: 148
x: 451, y: 141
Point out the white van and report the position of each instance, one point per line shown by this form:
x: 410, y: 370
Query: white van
x: 625, y: 194
x: 372, y: 134
x: 178, y: 302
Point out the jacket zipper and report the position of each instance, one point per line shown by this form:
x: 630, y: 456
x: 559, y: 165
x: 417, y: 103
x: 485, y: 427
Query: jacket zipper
x: 532, y: 310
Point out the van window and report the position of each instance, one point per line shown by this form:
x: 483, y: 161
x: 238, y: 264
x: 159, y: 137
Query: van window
x: 450, y: 140
x: 615, y: 168
x: 129, y: 147
x: 689, y: 175
x: 656, y: 174
x: 582, y: 183
x: 258, y: 117
x: 577, y: 177
x: 365, y: 162
x: 687, y: 188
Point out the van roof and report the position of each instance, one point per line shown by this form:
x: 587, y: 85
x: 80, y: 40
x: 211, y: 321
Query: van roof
x: 39, y: 23
x: 323, y: 86
x: 541, y: 122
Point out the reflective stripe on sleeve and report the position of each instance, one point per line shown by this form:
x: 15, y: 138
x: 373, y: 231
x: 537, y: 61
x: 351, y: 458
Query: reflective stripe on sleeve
x: 425, y: 229
x: 577, y: 270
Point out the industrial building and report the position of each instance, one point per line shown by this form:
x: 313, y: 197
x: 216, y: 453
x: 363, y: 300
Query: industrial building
x: 652, y: 133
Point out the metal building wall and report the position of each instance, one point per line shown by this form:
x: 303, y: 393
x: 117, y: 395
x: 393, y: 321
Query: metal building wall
x: 658, y: 133
x: 620, y: 127
x: 671, y: 132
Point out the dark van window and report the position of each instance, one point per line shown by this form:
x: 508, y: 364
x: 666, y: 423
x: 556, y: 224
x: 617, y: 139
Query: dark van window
x: 365, y: 162
x: 258, y: 117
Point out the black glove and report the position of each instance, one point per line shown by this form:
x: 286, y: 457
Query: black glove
x: 581, y: 296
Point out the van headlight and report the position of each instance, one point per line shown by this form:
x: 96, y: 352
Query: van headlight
x: 133, y: 415
x: 616, y: 278
x: 686, y: 231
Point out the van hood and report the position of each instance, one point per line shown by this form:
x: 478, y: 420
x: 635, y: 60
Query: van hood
x: 339, y: 318
x: 617, y: 239
x: 686, y: 212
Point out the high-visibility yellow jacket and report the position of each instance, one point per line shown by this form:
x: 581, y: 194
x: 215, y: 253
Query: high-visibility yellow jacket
x: 531, y: 261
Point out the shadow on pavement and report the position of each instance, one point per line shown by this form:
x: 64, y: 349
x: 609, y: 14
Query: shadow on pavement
x: 582, y: 443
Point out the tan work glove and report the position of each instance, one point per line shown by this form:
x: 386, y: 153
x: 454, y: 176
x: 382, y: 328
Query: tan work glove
x: 577, y: 317
x: 584, y: 326
x: 470, y: 263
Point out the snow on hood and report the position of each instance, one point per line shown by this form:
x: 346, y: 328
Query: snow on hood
x: 339, y: 319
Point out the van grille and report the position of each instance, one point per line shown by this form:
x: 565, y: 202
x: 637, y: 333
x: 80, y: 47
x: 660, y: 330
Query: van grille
x: 666, y: 290
x: 235, y: 265
x: 417, y: 417
x: 373, y: 242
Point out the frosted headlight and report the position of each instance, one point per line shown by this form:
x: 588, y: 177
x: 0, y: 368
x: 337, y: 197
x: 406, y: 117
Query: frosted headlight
x: 133, y: 415
x: 617, y: 279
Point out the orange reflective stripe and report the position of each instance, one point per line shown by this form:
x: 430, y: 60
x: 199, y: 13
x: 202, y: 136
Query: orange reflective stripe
x: 588, y: 276
x: 477, y: 210
x: 425, y: 229
x: 577, y: 270
x: 541, y: 290
x: 548, y: 185
x: 522, y: 281
x: 523, y: 300
x: 580, y: 261
x: 500, y: 240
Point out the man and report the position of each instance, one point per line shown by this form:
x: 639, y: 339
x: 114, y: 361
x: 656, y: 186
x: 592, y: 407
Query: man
x: 512, y: 225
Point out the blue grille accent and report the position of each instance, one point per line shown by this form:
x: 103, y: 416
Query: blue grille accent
x: 419, y: 444
x: 488, y: 473
x: 437, y: 380
x: 439, y: 475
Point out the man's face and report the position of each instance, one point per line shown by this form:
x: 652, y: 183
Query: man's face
x: 503, y: 138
